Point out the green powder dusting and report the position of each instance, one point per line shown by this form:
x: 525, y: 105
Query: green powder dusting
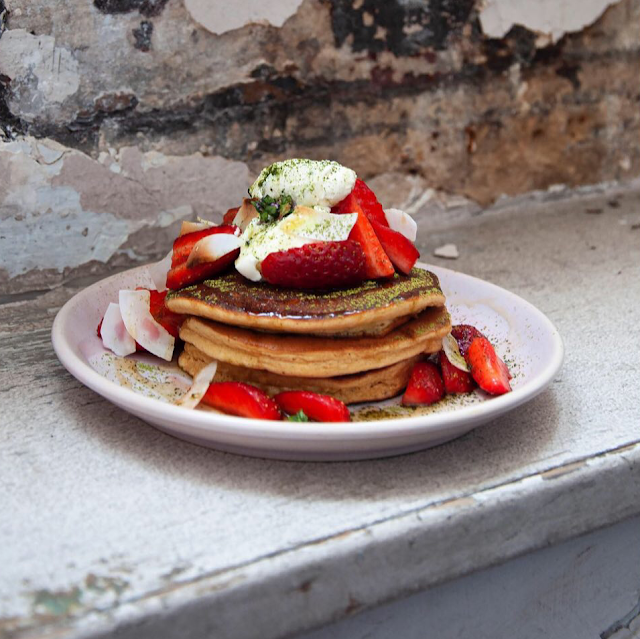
x: 235, y: 293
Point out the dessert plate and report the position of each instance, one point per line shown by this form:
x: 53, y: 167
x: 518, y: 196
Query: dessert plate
x: 145, y: 386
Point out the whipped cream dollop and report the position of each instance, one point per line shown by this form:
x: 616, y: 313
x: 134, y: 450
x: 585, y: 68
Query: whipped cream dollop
x: 304, y: 226
x: 314, y: 183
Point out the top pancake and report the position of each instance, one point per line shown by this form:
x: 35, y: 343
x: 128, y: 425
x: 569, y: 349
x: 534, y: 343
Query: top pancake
x: 232, y: 299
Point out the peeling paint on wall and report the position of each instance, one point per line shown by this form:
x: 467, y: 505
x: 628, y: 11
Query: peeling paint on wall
x: 158, y: 108
x: 220, y: 17
x: 59, y: 208
x: 549, y: 17
x: 40, y: 72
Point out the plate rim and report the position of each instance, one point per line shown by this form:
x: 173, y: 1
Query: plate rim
x: 207, y: 422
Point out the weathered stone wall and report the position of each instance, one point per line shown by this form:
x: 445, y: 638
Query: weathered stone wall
x: 119, y: 117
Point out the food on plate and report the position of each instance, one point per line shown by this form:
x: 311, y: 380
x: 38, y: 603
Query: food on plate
x: 186, y: 269
x: 487, y: 368
x: 306, y: 299
x: 119, y: 336
x: 355, y: 343
x: 455, y: 380
x: 321, y: 408
x: 425, y: 385
x: 388, y: 381
x: 241, y: 399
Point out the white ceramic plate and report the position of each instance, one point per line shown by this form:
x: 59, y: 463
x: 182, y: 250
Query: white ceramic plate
x: 145, y: 386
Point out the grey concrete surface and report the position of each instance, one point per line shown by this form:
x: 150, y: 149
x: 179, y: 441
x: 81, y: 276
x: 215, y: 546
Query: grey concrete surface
x: 111, y: 528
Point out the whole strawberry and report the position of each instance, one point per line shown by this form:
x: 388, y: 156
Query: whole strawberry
x: 319, y: 265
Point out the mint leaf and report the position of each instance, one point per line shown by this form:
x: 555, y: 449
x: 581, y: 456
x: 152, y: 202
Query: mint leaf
x: 270, y: 209
x: 298, y: 417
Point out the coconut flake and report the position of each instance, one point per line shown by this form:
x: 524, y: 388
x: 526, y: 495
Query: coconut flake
x: 114, y: 333
x: 212, y: 248
x: 245, y: 214
x: 134, y: 306
x: 192, y: 227
x: 158, y: 272
x: 199, y: 386
x: 402, y: 222
x: 452, y: 351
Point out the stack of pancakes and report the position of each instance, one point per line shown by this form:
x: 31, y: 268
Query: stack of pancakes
x: 356, y: 344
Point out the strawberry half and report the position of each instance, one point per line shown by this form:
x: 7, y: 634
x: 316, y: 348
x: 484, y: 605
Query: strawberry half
x: 238, y: 398
x: 377, y: 262
x: 455, y: 380
x: 184, y: 244
x: 230, y: 215
x: 321, y: 408
x: 400, y: 249
x: 464, y: 334
x: 487, y: 368
x: 425, y: 385
x: 316, y: 265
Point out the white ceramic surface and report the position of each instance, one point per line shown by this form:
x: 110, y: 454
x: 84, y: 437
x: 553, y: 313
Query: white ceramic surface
x: 144, y: 386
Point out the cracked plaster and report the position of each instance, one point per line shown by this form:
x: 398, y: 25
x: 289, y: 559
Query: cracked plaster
x: 59, y: 208
x: 220, y: 17
x: 553, y: 18
x: 42, y: 73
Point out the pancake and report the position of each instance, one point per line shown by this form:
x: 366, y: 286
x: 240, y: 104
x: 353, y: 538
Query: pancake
x: 374, y: 307
x: 317, y: 356
x: 351, y: 389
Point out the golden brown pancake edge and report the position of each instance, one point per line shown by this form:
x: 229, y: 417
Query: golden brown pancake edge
x: 233, y: 300
x: 316, y: 356
x: 374, y: 385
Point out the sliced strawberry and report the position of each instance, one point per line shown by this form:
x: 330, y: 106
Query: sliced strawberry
x: 167, y: 319
x: 400, y: 249
x: 180, y: 275
x: 377, y: 263
x: 487, y: 368
x: 320, y: 408
x: 365, y: 198
x: 184, y: 244
x: 425, y: 385
x: 230, y: 215
x: 238, y: 398
x: 348, y: 205
x: 316, y: 265
x: 464, y: 334
x: 455, y: 380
